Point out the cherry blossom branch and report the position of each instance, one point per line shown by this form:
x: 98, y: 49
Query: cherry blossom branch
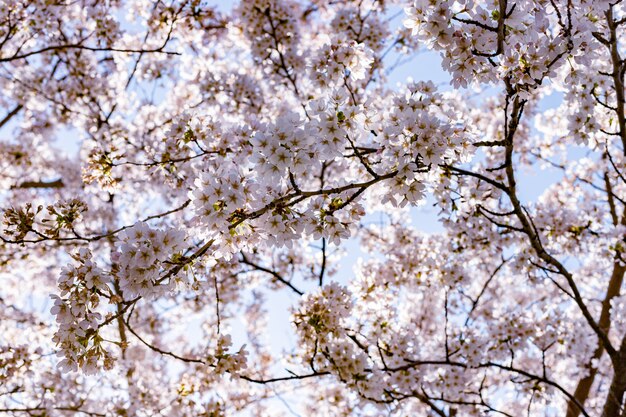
x: 617, y: 171
x: 41, y: 184
x: 509, y: 368
x: 168, y: 161
x: 30, y: 410
x: 196, y: 360
x: 527, y: 226
x: 610, y: 199
x: 299, y: 196
x: 10, y: 115
x: 93, y: 238
x: 244, y: 259
x: 283, y: 65
x: 323, y: 266
x: 158, y: 350
x: 608, y: 188
x: 483, y: 290
x: 284, y: 378
x: 502, y: 16
x: 461, y: 171
x: 87, y: 48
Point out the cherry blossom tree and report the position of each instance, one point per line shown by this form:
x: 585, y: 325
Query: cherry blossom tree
x: 181, y: 179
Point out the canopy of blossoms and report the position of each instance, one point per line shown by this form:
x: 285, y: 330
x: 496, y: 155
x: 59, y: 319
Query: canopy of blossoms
x: 184, y: 186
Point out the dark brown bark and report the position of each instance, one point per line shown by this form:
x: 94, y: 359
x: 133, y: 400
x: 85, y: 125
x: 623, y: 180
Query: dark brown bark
x: 615, y: 397
x: 584, y: 385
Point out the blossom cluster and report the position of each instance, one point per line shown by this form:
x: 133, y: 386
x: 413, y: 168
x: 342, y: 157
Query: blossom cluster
x: 321, y: 314
x: 227, y: 362
x: 77, y: 315
x: 142, y: 254
x: 485, y: 42
x: 339, y: 60
x: 272, y: 30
